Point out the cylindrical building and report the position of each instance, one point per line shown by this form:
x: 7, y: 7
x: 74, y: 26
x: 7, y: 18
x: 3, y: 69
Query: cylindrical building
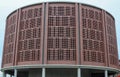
x: 60, y: 39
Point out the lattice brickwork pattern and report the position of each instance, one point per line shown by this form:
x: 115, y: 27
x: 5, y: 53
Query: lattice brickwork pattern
x: 29, y: 35
x: 9, y: 44
x: 60, y: 33
x: 61, y: 42
x: 93, y: 37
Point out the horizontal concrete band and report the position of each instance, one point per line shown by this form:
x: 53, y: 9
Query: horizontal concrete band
x: 61, y: 66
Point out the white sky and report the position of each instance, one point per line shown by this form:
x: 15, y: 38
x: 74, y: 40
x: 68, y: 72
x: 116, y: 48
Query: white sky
x: 7, y: 6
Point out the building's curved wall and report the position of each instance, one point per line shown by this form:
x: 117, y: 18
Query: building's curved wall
x: 29, y: 35
x: 92, y: 30
x: 10, y: 39
x: 111, y: 40
x: 60, y: 33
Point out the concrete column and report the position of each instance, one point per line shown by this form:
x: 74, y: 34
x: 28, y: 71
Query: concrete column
x: 116, y: 74
x: 15, y: 72
x: 10, y: 75
x: 79, y: 72
x: 4, y: 74
x: 106, y: 73
x: 43, y: 72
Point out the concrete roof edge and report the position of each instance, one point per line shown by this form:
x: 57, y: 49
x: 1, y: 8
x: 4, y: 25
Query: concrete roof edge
x: 61, y: 66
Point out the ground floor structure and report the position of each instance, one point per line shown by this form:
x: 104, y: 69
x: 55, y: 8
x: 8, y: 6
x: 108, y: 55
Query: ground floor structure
x: 59, y: 71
